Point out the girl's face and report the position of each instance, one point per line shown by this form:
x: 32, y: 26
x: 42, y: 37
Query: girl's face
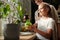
x: 43, y: 10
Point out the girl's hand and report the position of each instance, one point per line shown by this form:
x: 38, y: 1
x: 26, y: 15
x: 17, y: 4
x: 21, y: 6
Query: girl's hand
x: 33, y: 27
x: 30, y: 28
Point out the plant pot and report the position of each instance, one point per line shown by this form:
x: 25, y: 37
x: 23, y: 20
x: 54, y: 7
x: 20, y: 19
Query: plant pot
x: 11, y: 31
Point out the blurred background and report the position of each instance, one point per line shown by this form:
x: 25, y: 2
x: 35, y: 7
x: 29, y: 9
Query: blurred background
x: 12, y: 11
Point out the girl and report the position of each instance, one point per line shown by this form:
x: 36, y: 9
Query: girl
x: 44, y: 26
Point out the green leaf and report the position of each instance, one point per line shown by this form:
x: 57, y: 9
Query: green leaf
x: 5, y: 10
x: 1, y: 9
x: 1, y: 3
x: 8, y: 7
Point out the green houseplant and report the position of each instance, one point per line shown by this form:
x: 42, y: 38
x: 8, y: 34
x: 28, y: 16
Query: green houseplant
x: 4, y: 11
x: 13, y: 13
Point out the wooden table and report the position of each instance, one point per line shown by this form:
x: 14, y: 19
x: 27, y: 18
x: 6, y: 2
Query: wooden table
x: 27, y: 37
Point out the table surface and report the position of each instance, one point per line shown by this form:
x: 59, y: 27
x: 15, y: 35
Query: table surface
x: 27, y: 37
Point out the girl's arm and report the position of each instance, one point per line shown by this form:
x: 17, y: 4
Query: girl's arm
x: 45, y: 34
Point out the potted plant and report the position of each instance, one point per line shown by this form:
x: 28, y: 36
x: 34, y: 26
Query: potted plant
x: 13, y: 16
x: 4, y: 11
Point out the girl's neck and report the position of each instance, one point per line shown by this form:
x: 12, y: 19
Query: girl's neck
x: 46, y: 16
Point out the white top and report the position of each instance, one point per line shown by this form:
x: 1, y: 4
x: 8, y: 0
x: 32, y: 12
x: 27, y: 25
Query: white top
x: 44, y: 25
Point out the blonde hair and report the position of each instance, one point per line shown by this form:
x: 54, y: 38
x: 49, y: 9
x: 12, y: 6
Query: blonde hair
x: 46, y: 6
